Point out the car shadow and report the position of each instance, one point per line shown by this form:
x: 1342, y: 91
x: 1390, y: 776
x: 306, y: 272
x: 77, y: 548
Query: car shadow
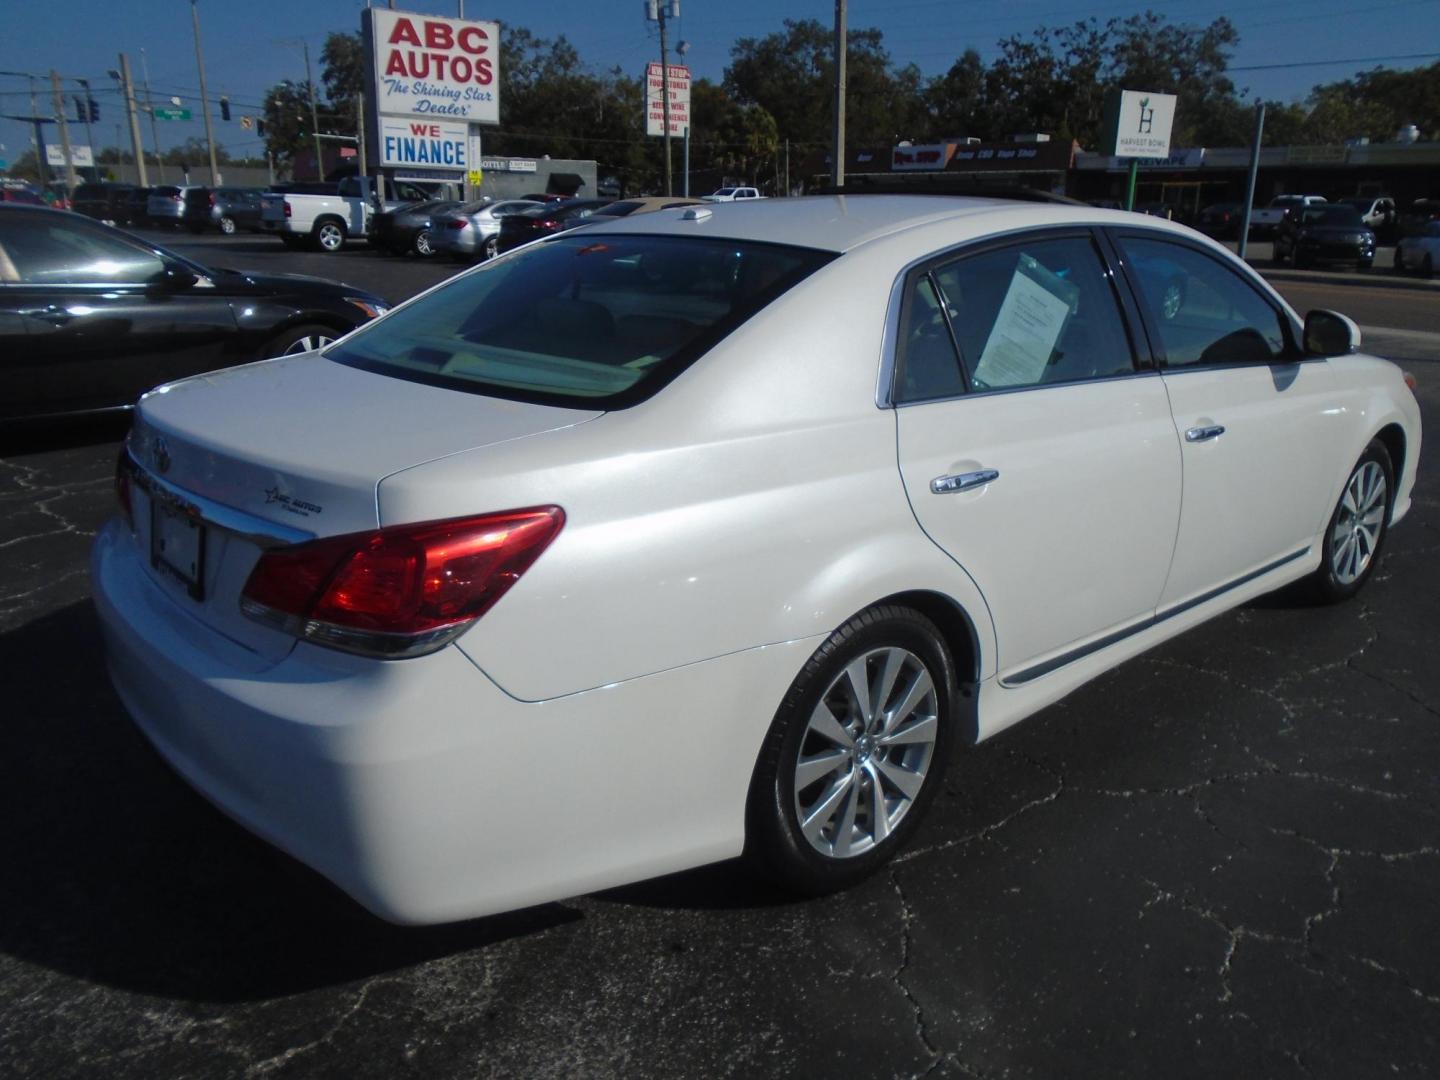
x: 38, y: 436
x: 117, y: 872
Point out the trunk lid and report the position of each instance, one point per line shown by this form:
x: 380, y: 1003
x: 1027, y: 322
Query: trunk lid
x: 286, y: 449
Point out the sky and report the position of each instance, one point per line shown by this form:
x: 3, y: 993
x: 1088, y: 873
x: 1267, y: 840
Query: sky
x: 252, y: 44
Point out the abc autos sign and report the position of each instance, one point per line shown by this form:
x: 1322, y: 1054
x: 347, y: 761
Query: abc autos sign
x: 439, y: 69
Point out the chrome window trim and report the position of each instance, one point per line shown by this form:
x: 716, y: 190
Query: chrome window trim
x: 890, y: 340
x: 265, y: 534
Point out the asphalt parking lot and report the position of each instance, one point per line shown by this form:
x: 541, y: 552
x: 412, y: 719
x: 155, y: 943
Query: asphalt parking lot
x: 1221, y: 859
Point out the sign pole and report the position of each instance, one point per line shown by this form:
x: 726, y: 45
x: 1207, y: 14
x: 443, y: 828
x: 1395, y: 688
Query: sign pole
x: 687, y: 161
x: 665, y: 101
x: 1250, y: 180
x: 837, y: 174
x: 1130, y: 186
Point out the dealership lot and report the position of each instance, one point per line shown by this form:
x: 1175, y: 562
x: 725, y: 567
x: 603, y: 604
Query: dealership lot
x: 1219, y: 859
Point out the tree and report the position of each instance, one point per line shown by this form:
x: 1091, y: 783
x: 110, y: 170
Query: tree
x: 955, y: 103
x: 287, y: 120
x: 342, y: 73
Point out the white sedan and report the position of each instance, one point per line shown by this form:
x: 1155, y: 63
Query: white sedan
x: 1420, y: 251
x: 714, y: 531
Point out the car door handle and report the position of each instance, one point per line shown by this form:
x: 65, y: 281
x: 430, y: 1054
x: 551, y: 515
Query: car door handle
x: 1204, y: 434
x: 944, y: 485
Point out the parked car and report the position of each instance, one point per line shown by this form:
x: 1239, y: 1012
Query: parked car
x: 1267, y: 221
x: 324, y: 215
x: 135, y: 211
x: 226, y: 210
x: 104, y: 201
x: 747, y: 516
x: 646, y: 205
x: 18, y: 191
x: 166, y: 205
x: 1419, y: 214
x: 527, y: 225
x: 472, y: 230
x: 1420, y: 250
x: 1221, y: 220
x: 734, y: 194
x: 90, y: 316
x: 1378, y: 212
x: 410, y: 228
x: 1327, y: 232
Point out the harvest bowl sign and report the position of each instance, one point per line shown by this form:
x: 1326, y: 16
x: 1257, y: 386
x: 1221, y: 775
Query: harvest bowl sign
x: 441, y: 69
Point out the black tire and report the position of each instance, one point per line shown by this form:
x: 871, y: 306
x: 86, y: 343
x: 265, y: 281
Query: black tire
x: 1338, y: 579
x: 421, y: 245
x: 227, y: 226
x: 776, y: 846
x: 298, y: 339
x: 328, y: 235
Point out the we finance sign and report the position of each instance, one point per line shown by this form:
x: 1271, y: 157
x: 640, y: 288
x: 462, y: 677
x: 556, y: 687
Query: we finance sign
x: 424, y: 143
x: 440, y: 69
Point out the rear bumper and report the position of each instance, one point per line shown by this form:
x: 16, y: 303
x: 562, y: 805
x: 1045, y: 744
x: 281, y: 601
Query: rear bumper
x: 418, y: 786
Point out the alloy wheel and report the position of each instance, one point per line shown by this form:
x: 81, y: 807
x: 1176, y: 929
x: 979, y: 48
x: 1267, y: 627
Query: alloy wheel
x: 866, y: 752
x: 227, y: 226
x: 307, y: 343
x: 1357, y: 529
x: 423, y: 247
x: 330, y: 237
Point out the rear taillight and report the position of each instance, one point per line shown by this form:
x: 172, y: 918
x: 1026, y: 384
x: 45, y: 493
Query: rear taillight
x: 1409, y: 378
x: 459, y: 224
x: 178, y: 197
x: 122, y: 487
x: 288, y: 210
x: 211, y: 197
x: 402, y: 591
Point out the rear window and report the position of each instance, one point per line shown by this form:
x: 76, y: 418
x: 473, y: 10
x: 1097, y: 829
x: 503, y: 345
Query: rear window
x: 165, y: 192
x: 587, y: 322
x: 1331, y: 215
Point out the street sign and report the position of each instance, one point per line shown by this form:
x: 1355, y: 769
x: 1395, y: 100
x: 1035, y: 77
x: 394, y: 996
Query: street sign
x: 679, y: 100
x: 172, y: 114
x: 1137, y: 124
x: 80, y: 156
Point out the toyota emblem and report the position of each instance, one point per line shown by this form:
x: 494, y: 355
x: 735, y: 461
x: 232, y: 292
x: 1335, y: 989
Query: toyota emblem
x: 161, y: 454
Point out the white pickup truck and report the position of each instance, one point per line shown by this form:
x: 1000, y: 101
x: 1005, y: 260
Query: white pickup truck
x: 733, y: 194
x: 1265, y: 222
x: 324, y: 215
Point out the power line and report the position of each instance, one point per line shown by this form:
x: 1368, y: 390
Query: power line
x: 1334, y: 63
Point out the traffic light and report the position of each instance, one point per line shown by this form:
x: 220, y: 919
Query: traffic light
x: 94, y: 111
x: 80, y: 111
x: 225, y: 109
x: 260, y: 128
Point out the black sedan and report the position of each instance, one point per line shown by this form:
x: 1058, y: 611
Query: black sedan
x: 91, y: 317
x: 1326, y: 232
x: 407, y: 228
x: 553, y: 217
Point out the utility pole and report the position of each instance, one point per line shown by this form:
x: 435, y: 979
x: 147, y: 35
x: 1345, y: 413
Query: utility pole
x: 204, y: 95
x: 659, y: 11
x: 38, y: 134
x: 837, y: 174
x: 64, y: 132
x: 89, y: 132
x: 127, y: 86
x: 314, y: 116
x: 150, y: 108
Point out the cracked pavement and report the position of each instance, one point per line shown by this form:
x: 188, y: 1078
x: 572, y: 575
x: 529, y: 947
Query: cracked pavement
x: 1221, y: 859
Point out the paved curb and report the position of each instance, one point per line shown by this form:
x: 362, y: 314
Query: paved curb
x: 1376, y: 279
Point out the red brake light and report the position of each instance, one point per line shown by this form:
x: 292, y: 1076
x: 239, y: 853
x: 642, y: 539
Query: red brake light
x: 460, y: 223
x: 288, y: 210
x: 122, y: 487
x: 402, y: 591
x: 1409, y: 377
x: 211, y: 197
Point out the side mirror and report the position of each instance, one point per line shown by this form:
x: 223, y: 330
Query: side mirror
x: 175, y: 277
x: 1328, y: 333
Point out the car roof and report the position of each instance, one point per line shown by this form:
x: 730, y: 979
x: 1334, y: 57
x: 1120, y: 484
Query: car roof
x: 842, y: 223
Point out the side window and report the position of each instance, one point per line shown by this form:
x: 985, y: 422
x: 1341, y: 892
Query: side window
x: 47, y: 251
x: 929, y: 367
x: 1033, y: 314
x: 349, y: 188
x: 1206, y: 312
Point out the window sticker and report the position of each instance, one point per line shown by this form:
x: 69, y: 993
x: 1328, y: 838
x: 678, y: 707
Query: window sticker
x: 1037, y: 305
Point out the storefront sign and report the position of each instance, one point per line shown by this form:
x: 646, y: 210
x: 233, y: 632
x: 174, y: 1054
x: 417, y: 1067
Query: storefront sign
x: 655, y: 103
x: 426, y: 143
x: 426, y: 66
x: 916, y: 158
x: 1138, y: 123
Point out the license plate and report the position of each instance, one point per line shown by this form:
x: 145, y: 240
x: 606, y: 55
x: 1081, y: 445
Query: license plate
x: 177, y: 546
